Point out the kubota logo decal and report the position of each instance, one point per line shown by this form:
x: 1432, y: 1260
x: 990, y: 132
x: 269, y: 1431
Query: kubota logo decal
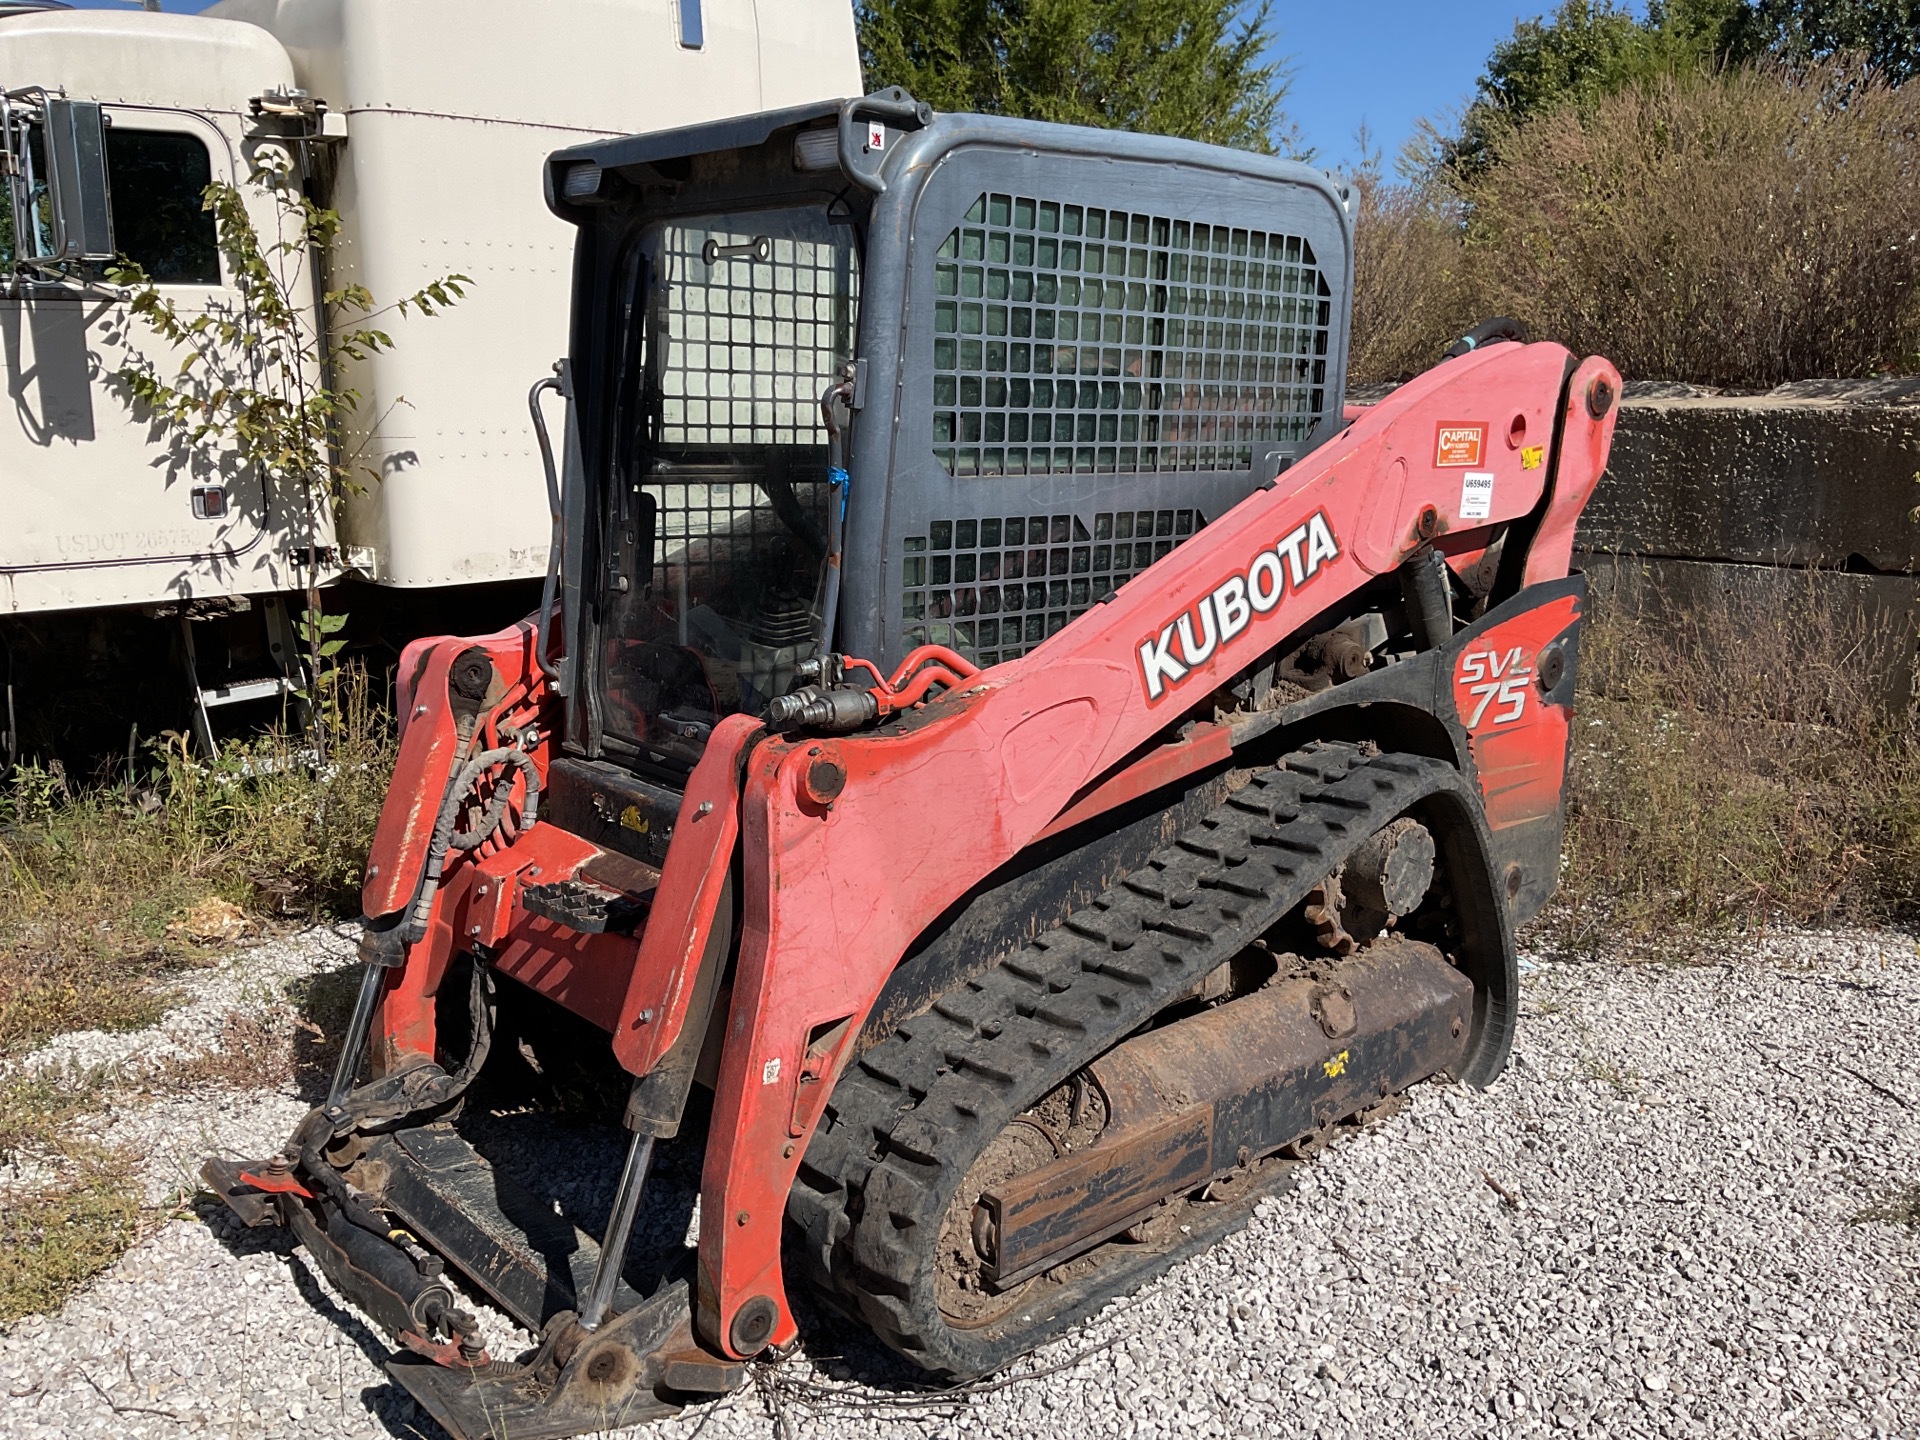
x: 1492, y: 685
x: 1222, y: 615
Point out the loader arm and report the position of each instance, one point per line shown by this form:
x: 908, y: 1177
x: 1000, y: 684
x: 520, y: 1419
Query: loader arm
x: 960, y: 787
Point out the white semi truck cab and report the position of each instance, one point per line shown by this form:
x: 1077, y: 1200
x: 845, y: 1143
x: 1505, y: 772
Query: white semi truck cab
x: 425, y: 124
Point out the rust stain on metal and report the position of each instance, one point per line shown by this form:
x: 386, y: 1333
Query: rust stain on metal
x: 1194, y: 1100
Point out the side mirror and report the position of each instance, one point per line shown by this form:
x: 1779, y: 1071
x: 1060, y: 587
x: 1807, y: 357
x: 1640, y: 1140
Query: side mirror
x: 77, y: 183
x: 55, y: 162
x: 77, y: 188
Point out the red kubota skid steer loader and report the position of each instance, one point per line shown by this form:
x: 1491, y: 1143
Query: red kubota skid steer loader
x: 1001, y: 742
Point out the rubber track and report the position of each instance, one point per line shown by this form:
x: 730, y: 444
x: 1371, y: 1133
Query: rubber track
x: 907, y: 1121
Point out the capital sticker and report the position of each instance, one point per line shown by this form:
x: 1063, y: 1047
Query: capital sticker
x: 1458, y: 445
x: 1476, y: 495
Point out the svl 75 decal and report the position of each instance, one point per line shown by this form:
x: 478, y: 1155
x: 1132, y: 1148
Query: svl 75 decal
x: 1491, y: 686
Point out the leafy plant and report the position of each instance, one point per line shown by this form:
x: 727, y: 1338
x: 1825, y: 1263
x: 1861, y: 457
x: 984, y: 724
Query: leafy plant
x: 1172, y: 67
x: 259, y: 380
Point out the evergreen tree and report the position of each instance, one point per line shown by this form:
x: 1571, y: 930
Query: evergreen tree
x: 1192, y: 68
x: 1592, y: 48
x: 1886, y: 33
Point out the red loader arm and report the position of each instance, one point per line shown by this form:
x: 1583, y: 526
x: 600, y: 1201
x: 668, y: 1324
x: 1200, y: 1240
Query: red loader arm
x: 850, y: 843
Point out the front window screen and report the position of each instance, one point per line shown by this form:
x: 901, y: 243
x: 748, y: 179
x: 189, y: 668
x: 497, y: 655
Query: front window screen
x: 723, y: 523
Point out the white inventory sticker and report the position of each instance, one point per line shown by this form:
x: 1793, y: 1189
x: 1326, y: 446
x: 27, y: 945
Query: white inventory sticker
x: 1476, y: 495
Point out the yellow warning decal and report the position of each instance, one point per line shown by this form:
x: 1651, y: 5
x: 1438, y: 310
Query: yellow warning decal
x: 1531, y: 457
x: 1337, y: 1066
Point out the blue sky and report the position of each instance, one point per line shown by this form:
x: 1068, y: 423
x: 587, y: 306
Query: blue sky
x: 1385, y: 62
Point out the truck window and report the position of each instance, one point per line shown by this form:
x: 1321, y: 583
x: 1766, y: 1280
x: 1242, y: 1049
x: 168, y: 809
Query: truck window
x: 159, y: 178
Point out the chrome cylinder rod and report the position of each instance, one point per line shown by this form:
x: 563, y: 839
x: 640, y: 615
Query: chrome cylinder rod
x: 355, y: 1046
x: 613, y: 1250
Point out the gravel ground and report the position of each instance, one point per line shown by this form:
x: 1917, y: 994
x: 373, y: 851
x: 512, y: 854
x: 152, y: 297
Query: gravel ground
x: 172, y: 1133
x: 1647, y: 1228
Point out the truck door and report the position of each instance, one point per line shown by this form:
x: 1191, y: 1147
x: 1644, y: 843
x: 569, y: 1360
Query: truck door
x: 104, y: 508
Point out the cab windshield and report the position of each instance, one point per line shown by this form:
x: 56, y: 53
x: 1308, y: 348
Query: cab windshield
x: 719, y: 532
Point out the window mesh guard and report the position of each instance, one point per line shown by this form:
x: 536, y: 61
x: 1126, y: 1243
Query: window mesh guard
x: 993, y: 589
x: 711, y: 523
x: 1069, y: 338
x: 759, y: 319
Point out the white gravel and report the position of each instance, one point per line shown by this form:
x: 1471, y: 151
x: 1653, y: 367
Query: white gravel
x: 1680, y: 1155
x: 254, y: 979
x: 170, y: 1134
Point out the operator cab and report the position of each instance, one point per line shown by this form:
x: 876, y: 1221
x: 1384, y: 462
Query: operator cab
x: 1063, y: 372
x: 717, y: 517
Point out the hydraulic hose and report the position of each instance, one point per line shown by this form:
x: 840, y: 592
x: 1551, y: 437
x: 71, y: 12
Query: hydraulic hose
x: 544, y: 644
x: 446, y: 838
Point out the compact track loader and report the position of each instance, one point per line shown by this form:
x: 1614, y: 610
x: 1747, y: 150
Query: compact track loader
x: 1007, y: 762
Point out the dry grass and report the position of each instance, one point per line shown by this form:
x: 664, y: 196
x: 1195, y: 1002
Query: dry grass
x: 108, y: 892
x: 1739, y: 229
x: 59, y: 1234
x: 253, y: 1052
x: 54, y: 1242
x: 1738, y: 765
x: 97, y: 882
x: 1411, y: 290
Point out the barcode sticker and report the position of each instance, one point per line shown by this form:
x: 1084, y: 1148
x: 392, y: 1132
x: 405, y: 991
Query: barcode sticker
x: 1476, y: 495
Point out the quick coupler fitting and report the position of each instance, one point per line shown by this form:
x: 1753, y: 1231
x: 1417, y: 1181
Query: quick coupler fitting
x: 811, y: 708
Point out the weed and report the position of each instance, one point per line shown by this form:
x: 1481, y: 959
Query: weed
x: 34, y: 1108
x: 1900, y: 1209
x: 1736, y: 764
x: 1623, y: 1080
x: 54, y: 1242
x: 74, y: 1206
x: 107, y: 888
x: 252, y: 1053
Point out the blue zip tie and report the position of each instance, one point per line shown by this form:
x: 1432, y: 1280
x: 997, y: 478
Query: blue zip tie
x: 837, y: 476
